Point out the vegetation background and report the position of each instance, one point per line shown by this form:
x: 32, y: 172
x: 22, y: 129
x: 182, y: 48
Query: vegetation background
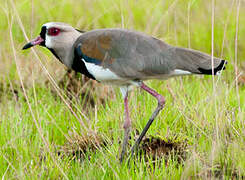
x: 57, y: 125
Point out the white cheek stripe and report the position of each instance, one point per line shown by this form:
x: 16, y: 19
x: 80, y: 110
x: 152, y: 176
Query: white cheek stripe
x: 48, y: 41
x: 100, y: 73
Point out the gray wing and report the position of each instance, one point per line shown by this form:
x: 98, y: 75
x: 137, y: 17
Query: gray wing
x: 129, y: 54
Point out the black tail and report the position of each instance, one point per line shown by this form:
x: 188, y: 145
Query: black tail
x: 220, y: 67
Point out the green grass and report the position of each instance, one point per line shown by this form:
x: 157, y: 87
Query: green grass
x: 36, y: 121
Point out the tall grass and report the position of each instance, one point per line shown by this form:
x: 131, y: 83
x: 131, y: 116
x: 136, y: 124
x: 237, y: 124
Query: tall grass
x: 38, y: 118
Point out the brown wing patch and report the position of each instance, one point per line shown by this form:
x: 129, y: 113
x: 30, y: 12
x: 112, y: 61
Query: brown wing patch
x: 105, y: 42
x: 97, y: 47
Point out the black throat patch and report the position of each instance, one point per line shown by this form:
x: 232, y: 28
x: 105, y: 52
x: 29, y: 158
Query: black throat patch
x: 43, y: 35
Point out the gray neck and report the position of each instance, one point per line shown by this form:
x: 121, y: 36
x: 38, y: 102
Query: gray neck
x: 66, y: 56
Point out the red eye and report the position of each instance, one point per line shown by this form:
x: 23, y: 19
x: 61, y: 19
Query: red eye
x: 53, y: 31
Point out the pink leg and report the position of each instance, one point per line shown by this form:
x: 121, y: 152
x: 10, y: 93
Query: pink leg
x: 127, y: 122
x: 126, y: 126
x: 161, y: 103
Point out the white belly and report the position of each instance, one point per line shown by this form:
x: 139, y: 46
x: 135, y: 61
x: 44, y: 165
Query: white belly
x: 105, y: 75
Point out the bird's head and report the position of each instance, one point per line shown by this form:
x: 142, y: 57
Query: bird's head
x: 54, y: 35
x: 57, y: 37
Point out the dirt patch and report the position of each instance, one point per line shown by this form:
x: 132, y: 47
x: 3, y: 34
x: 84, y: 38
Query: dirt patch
x: 157, y: 148
x: 78, y: 145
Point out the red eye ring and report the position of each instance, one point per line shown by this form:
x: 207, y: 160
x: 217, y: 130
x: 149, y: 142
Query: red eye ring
x: 53, y: 31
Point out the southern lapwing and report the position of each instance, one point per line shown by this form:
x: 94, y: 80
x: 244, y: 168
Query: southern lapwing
x: 125, y: 58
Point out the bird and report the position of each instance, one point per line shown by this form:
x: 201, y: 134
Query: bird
x: 125, y: 58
